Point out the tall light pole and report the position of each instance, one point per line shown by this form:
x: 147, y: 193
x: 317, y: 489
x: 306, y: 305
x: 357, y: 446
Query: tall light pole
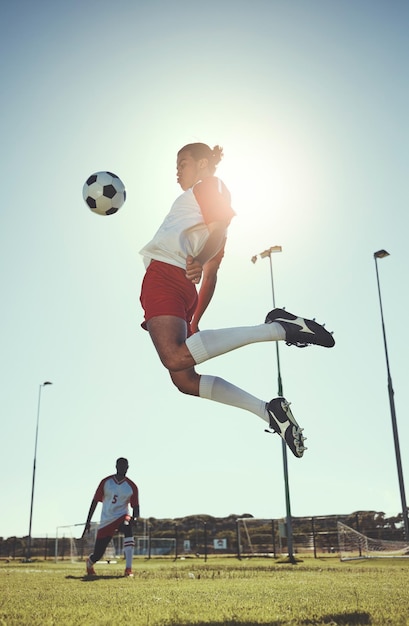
x: 264, y: 255
x: 380, y: 254
x: 34, y: 469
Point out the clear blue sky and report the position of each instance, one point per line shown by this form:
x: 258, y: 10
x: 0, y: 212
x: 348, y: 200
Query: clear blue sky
x: 310, y: 101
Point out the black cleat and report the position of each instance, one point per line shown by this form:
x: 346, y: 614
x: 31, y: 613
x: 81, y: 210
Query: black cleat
x: 300, y: 332
x: 283, y: 423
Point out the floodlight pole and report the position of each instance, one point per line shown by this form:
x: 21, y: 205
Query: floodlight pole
x: 380, y: 254
x: 263, y: 255
x: 28, y: 556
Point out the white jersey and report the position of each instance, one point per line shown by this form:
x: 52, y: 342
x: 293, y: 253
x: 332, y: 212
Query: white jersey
x: 184, y: 230
x: 116, y: 497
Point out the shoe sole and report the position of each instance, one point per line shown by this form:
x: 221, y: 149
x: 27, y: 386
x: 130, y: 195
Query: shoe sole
x: 299, y: 331
x: 288, y: 430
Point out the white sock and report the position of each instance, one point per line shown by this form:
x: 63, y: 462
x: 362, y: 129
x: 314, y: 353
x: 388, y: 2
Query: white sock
x: 219, y: 390
x: 207, y: 344
x: 129, y: 544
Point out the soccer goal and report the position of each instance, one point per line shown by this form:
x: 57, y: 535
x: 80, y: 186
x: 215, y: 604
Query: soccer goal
x: 354, y: 545
x: 155, y: 546
x: 255, y: 537
x: 68, y: 545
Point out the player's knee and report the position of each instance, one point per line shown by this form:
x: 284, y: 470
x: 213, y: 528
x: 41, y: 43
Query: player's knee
x: 171, y: 361
x: 184, y: 387
x: 186, y: 383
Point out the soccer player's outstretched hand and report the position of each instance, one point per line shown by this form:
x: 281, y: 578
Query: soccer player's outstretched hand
x: 193, y: 270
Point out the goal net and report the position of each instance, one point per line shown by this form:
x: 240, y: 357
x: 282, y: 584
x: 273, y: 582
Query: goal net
x: 69, y: 546
x: 155, y: 546
x: 255, y: 537
x: 354, y: 545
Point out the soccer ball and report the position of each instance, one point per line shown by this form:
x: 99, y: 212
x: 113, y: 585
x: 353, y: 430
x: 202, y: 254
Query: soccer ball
x: 104, y: 193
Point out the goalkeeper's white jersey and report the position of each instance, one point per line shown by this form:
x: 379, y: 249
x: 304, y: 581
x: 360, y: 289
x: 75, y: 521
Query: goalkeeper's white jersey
x: 116, y: 497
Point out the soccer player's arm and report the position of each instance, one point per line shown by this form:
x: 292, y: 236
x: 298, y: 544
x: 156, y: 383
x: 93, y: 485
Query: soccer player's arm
x: 135, y: 503
x: 135, y: 513
x: 89, y: 518
x: 213, y: 198
x: 98, y: 497
x: 207, y: 288
x: 215, y: 241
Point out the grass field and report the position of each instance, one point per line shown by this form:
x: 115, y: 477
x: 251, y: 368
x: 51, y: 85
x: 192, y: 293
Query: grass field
x: 221, y: 591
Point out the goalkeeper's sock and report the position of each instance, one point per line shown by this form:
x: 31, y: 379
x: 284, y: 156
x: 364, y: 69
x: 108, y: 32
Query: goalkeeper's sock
x: 207, y: 344
x: 129, y: 544
x: 219, y: 390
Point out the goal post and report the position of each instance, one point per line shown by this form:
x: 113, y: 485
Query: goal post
x: 148, y: 546
x: 64, y: 534
x: 79, y: 547
x: 255, y: 537
x: 354, y: 545
x: 70, y: 545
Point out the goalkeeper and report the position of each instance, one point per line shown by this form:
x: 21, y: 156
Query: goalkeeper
x: 117, y: 493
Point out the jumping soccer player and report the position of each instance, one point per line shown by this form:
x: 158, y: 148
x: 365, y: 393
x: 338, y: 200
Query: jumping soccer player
x: 187, y: 248
x: 116, y: 493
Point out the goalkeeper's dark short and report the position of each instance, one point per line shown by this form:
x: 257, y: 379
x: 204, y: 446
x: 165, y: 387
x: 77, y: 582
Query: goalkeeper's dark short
x: 166, y: 291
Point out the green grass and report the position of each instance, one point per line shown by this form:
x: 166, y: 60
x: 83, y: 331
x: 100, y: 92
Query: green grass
x: 221, y: 591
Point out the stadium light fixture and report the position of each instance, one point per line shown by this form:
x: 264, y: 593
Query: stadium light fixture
x: 28, y: 556
x: 381, y: 254
x: 263, y: 255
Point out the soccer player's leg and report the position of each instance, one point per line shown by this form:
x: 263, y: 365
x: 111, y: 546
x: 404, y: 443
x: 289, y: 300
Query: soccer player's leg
x: 129, y: 544
x: 187, y: 381
x: 276, y: 412
x: 99, y: 549
x: 169, y: 334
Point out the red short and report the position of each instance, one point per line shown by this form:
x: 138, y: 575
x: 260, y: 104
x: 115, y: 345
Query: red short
x: 112, y: 528
x: 166, y: 291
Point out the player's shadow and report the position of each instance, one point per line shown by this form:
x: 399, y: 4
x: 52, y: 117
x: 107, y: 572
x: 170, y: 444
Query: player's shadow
x: 360, y: 618
x: 227, y: 623
x: 339, y: 619
x: 92, y: 579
